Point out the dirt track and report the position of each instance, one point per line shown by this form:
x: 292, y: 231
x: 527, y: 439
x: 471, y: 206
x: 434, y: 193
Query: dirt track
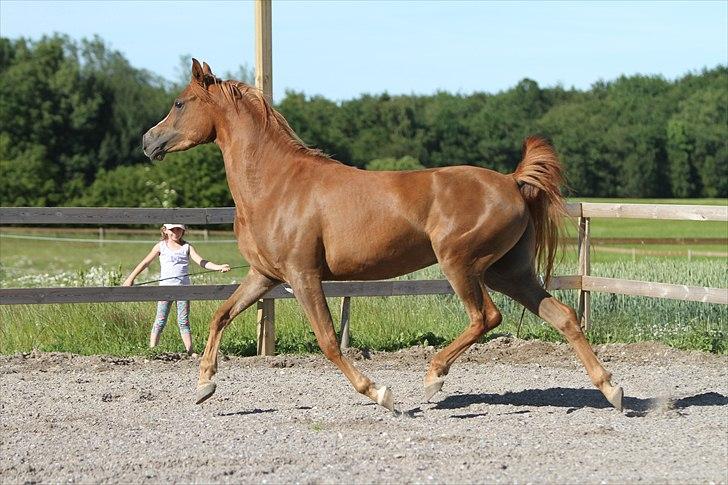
x: 510, y: 411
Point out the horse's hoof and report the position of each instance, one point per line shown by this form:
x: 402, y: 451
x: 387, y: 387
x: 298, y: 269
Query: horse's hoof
x: 385, y: 398
x: 433, y: 388
x: 204, y: 391
x: 614, y: 396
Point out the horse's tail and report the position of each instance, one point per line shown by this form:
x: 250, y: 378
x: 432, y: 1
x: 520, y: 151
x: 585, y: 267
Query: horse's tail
x: 540, y: 177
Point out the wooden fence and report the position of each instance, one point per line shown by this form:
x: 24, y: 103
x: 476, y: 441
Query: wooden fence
x: 583, y: 281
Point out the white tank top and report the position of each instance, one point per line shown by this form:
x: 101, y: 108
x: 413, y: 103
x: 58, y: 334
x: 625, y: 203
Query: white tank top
x: 175, y: 265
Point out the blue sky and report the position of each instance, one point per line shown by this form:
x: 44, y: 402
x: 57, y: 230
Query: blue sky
x: 341, y: 49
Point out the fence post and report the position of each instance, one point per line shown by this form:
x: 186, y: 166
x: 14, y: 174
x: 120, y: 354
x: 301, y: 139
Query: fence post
x: 102, y: 235
x: 584, y: 311
x: 345, y: 306
x: 264, y: 48
x: 266, y: 327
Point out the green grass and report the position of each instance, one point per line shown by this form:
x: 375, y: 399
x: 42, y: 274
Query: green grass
x: 376, y: 323
x: 384, y: 323
x: 618, y: 228
x: 38, y: 263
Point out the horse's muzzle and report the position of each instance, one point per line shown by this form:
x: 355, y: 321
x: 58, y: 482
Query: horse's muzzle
x: 154, y: 146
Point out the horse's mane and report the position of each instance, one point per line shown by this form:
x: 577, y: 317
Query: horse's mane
x: 236, y: 92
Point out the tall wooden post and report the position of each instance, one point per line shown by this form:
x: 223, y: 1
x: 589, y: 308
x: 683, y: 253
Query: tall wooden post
x: 263, y: 48
x: 264, y: 82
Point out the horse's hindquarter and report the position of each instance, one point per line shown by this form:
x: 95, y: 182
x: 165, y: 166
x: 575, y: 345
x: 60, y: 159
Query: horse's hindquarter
x: 477, y: 212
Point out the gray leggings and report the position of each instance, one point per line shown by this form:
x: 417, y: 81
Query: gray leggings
x: 183, y: 316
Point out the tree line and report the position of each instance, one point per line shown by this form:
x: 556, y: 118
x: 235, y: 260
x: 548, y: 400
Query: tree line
x: 72, y: 114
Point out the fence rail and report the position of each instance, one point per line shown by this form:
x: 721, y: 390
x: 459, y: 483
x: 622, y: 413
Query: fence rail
x: 655, y: 290
x: 104, y: 235
x: 225, y: 215
x: 107, y: 294
x: 114, y: 215
x: 584, y: 282
x: 655, y: 211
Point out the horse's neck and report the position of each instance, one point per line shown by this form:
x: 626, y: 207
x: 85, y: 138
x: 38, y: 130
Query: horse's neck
x: 253, y: 168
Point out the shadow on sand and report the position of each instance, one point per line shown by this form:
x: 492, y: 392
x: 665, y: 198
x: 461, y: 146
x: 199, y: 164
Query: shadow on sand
x: 579, y: 398
x: 247, y: 411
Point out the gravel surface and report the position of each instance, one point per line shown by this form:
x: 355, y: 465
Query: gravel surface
x: 511, y: 411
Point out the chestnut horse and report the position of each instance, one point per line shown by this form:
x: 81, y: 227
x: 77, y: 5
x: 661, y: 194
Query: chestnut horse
x: 302, y: 217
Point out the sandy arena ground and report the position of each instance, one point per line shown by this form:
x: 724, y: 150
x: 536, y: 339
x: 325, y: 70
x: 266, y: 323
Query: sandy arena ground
x: 510, y: 412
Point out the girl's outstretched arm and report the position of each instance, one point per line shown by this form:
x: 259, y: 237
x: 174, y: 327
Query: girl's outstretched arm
x: 207, y: 264
x: 142, y: 265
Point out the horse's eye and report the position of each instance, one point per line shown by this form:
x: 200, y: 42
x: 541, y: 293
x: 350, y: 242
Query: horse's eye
x: 178, y: 104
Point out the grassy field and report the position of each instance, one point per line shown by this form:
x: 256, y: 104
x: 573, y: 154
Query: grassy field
x: 377, y: 323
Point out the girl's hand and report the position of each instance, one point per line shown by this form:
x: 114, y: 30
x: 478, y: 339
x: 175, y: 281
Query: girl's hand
x: 128, y: 282
x: 224, y: 268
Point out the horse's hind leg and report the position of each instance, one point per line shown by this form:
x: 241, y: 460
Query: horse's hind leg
x: 526, y: 289
x: 250, y: 290
x: 482, y: 312
x: 310, y: 295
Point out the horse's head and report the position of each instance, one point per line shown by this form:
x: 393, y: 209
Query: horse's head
x: 189, y: 123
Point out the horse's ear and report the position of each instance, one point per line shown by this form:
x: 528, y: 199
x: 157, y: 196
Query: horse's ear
x: 197, y: 73
x: 207, y: 70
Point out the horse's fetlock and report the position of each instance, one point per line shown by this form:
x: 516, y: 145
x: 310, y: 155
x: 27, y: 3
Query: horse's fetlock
x: 438, y: 367
x: 207, y: 370
x: 442, y: 370
x: 366, y: 388
x: 602, y: 378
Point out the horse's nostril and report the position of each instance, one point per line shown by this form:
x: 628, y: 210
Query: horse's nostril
x: 145, y: 143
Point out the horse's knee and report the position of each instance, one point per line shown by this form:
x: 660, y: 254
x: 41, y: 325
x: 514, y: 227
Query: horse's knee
x: 493, y: 318
x: 220, y: 321
x: 331, y: 350
x: 479, y: 324
x: 485, y: 321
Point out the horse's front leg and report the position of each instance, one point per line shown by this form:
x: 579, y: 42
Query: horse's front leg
x: 310, y: 295
x: 250, y: 290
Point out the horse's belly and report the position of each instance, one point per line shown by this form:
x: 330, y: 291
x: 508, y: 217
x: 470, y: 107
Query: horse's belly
x: 367, y: 263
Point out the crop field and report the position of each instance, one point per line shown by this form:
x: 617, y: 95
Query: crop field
x: 57, y: 257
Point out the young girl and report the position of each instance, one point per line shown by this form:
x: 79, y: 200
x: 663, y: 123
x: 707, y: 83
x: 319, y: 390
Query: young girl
x: 174, y: 256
